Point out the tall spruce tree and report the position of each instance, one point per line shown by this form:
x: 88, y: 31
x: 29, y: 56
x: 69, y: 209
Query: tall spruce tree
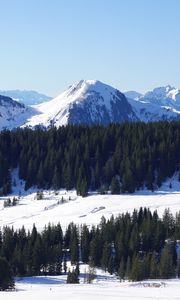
x: 6, y: 279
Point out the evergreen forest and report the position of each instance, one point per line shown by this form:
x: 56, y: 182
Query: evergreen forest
x: 119, y: 158
x: 133, y: 246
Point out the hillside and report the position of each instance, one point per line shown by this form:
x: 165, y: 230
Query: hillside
x: 88, y: 210
x: 86, y: 102
x: 12, y: 113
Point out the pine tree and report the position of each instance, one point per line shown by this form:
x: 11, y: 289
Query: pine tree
x: 139, y: 269
x: 167, y: 269
x: 84, y: 188
x: 37, y: 255
x: 121, y: 271
x: 154, y: 267
x: 72, y: 277
x: 56, y: 181
x: 6, y: 279
x: 115, y: 187
x: 65, y: 265
x: 110, y: 267
x: 85, y: 244
x: 106, y: 254
x: 74, y: 245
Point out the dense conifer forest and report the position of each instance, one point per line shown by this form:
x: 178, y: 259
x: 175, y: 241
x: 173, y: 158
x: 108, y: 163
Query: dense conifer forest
x: 120, y: 158
x: 134, y: 246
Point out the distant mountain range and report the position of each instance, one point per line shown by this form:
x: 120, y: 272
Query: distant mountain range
x: 162, y: 103
x: 89, y: 102
x: 26, y: 97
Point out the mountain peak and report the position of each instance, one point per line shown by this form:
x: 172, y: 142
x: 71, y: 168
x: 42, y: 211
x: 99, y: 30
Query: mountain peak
x: 82, y: 84
x: 92, y: 81
x: 162, y: 91
x: 165, y: 95
x: 88, y: 83
x: 93, y: 102
x: 169, y: 88
x: 85, y: 102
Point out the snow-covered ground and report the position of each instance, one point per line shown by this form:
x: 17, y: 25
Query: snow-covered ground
x: 87, y: 210
x: 80, y: 210
x: 104, y: 287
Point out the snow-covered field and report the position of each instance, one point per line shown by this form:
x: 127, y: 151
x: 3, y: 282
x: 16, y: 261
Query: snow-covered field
x: 87, y: 210
x: 104, y: 287
x: 80, y: 210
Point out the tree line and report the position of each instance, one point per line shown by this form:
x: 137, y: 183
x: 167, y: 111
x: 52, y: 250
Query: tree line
x: 119, y: 157
x: 134, y: 246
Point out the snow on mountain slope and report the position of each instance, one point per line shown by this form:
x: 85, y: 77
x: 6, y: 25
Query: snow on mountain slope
x: 152, y: 112
x: 163, y: 96
x: 12, y: 113
x: 87, y: 102
x: 26, y: 97
x: 162, y: 103
x: 93, y: 102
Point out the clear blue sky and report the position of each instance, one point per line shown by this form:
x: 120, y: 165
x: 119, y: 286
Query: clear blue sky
x: 46, y: 45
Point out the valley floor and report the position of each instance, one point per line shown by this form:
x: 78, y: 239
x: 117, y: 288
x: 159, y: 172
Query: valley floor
x: 80, y: 210
x: 54, y: 288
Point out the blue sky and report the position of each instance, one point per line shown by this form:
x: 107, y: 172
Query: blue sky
x: 47, y: 45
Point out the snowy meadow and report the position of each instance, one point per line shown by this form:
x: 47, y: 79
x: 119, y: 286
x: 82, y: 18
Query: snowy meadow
x: 65, y: 207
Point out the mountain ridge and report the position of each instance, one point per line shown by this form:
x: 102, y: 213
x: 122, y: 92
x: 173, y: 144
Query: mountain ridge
x: 28, y: 97
x: 93, y: 102
x: 85, y: 102
x: 12, y: 113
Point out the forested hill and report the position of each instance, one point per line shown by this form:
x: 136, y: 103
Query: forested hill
x: 120, y: 158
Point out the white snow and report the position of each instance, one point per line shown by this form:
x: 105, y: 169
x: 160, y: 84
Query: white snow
x: 87, y: 210
x: 13, y: 115
x: 80, y: 210
x: 159, y: 104
x: 166, y: 95
x: 104, y: 287
x: 57, y: 110
x: 149, y: 111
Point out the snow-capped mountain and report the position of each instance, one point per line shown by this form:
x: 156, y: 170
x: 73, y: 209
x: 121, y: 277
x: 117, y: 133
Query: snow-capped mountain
x: 12, y: 113
x: 162, y: 103
x: 26, y: 97
x: 92, y: 102
x: 87, y: 102
x: 167, y: 96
